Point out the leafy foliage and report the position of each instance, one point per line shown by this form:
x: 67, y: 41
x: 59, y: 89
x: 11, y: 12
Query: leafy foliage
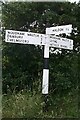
x: 24, y: 105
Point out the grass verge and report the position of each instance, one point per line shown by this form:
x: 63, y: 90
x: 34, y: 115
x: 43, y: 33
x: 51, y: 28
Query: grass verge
x: 26, y: 105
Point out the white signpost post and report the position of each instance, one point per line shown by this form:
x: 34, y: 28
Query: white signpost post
x: 21, y: 37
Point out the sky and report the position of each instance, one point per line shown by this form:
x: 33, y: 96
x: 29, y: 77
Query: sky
x: 42, y: 0
x: 74, y: 1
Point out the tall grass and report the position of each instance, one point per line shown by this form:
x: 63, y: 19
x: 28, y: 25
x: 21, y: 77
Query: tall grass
x: 26, y: 105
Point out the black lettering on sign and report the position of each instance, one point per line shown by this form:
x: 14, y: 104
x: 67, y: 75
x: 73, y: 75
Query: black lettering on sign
x: 8, y: 32
x: 15, y: 36
x: 54, y: 30
x: 15, y: 33
x: 53, y: 41
x: 7, y: 39
x: 17, y: 40
x: 11, y: 39
x: 22, y: 33
x: 60, y: 29
x: 63, y: 39
x: 33, y: 35
x: 57, y: 38
x: 57, y: 30
x: 26, y: 41
x: 54, y: 45
x: 63, y: 46
x: 67, y: 29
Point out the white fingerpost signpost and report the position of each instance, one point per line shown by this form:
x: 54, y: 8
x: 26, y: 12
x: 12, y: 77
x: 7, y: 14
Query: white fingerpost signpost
x: 48, y: 40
